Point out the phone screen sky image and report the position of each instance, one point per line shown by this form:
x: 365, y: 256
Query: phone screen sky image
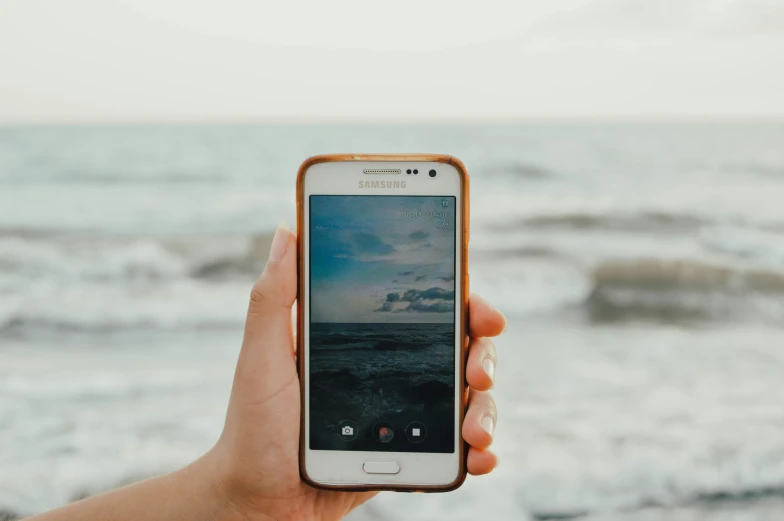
x: 382, y: 323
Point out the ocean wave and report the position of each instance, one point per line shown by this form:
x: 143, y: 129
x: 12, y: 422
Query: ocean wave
x: 757, y: 510
x: 699, y: 505
x: 646, y: 221
x: 27, y: 232
x: 760, y: 168
x: 523, y: 170
x: 119, y: 178
x: 9, y: 515
x: 529, y: 251
x: 35, y: 254
x: 777, y: 227
x: 377, y: 345
x: 99, y: 284
x: 105, y: 307
x: 94, y: 283
x: 683, y: 291
x: 98, y: 260
x: 16, y: 326
x: 342, y: 345
x: 719, y: 473
x: 763, y: 245
x: 657, y: 274
x: 104, y: 385
x: 740, y: 494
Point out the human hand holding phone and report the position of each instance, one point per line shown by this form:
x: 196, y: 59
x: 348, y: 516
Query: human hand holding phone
x: 252, y: 472
x: 256, y: 459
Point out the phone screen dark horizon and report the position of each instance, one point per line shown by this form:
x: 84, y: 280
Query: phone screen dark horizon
x: 382, y: 323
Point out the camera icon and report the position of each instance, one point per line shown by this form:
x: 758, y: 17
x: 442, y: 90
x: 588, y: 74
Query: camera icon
x: 347, y: 430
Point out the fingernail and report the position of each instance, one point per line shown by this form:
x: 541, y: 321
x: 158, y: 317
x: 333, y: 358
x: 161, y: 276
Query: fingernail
x: 489, y: 366
x: 506, y: 322
x: 280, y: 243
x: 488, y: 424
x: 497, y: 462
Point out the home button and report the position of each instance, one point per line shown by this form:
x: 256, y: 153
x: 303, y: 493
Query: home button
x: 381, y: 467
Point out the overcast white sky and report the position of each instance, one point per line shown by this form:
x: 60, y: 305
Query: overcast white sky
x: 248, y: 60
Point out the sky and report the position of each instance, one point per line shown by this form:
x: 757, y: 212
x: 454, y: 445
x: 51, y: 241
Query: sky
x: 114, y: 61
x: 382, y: 259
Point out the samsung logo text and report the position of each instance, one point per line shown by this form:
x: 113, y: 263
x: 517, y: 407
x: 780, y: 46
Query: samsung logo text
x: 382, y: 184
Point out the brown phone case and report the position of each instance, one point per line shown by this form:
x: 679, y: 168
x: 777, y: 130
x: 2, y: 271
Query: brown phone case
x: 464, y: 226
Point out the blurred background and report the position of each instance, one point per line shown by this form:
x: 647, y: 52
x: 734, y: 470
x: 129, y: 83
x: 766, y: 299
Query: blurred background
x: 627, y: 162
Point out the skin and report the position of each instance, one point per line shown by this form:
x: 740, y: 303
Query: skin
x: 252, y: 472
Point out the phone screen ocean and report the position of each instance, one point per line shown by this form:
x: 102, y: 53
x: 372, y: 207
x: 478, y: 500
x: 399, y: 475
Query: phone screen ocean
x: 395, y: 374
x: 382, y: 323
x: 640, y: 266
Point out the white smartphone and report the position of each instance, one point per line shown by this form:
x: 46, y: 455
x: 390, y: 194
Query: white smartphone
x: 382, y: 244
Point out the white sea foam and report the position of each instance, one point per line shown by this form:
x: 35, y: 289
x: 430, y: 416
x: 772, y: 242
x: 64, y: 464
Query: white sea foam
x: 105, y: 307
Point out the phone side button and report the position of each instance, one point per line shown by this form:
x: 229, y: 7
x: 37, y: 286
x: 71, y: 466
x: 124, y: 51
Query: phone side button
x: 381, y: 467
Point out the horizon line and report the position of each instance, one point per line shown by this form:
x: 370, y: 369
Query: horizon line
x: 350, y: 121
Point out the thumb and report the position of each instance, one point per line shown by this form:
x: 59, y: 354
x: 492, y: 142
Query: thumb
x: 267, y: 355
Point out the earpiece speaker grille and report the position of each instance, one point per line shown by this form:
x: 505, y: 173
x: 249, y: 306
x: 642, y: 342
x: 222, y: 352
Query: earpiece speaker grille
x: 381, y: 171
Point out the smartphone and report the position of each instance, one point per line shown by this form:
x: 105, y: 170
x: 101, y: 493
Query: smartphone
x: 382, y: 303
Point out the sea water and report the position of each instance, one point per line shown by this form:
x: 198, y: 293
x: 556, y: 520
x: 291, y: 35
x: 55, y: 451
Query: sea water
x: 641, y: 268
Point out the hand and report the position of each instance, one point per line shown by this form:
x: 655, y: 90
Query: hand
x: 255, y: 462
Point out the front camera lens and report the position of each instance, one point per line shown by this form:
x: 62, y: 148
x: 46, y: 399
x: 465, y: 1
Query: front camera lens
x: 432, y: 173
x: 408, y: 171
x: 416, y: 171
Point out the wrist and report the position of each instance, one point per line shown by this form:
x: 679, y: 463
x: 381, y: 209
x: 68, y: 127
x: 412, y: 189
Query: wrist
x: 202, y: 481
x: 237, y: 494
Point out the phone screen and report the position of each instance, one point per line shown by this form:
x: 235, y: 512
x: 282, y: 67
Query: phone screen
x: 382, y: 323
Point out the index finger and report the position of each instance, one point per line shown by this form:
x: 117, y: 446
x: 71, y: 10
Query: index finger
x: 484, y: 319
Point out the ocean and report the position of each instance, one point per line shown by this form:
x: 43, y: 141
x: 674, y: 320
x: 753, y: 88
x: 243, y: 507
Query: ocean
x: 399, y: 373
x: 641, y: 267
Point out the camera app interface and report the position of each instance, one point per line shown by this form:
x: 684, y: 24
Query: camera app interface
x: 382, y: 323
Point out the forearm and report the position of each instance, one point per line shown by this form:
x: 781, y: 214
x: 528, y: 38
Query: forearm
x: 190, y: 494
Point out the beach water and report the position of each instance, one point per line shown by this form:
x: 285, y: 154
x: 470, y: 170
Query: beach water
x: 641, y: 268
x: 394, y: 372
